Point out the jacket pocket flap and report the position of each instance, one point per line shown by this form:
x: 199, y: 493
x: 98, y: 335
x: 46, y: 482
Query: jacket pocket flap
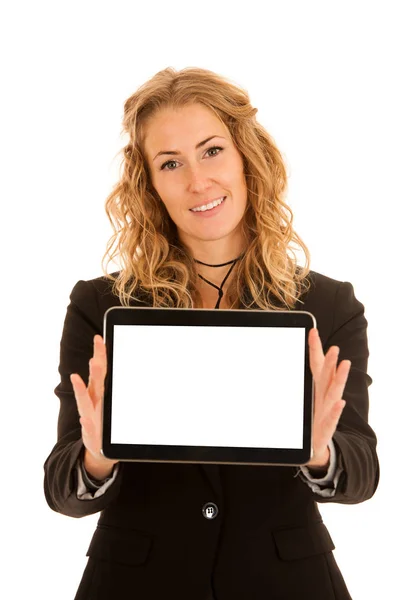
x: 123, y: 546
x: 300, y: 542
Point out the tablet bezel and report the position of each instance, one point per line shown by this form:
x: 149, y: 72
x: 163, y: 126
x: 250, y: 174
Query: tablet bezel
x: 119, y: 315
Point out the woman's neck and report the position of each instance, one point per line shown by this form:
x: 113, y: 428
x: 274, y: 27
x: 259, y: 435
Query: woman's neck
x: 212, y: 288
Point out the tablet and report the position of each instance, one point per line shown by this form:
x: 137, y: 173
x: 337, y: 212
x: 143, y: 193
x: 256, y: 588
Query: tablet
x: 208, y: 386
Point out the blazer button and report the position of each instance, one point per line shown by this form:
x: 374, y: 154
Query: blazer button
x: 210, y: 510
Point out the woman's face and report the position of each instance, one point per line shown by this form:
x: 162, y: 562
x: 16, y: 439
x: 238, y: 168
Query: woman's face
x: 186, y: 176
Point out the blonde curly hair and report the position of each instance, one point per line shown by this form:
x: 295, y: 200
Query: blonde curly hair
x: 154, y: 260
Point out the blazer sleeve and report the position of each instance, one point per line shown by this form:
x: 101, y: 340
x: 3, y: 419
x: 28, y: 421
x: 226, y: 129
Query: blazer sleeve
x: 355, y: 441
x: 82, y: 321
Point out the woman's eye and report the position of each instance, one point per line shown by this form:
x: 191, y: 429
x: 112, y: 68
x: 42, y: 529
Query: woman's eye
x: 174, y: 161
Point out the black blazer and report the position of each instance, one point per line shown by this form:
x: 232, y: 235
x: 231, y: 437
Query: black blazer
x: 268, y: 539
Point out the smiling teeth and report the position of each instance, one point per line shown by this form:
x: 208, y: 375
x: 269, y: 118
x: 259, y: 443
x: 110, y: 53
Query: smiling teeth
x: 208, y: 206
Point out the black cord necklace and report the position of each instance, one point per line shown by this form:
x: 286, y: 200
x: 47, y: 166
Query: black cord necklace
x: 220, y: 292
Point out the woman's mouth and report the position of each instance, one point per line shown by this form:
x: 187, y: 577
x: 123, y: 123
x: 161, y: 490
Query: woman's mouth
x: 203, y: 211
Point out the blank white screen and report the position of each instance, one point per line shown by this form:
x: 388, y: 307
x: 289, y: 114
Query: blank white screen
x: 208, y: 386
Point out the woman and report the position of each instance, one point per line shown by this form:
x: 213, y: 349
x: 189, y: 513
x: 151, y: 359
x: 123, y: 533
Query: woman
x: 201, y: 222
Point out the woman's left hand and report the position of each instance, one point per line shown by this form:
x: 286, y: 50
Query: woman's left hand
x: 329, y: 383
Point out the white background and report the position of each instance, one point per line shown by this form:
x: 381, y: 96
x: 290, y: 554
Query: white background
x: 324, y: 77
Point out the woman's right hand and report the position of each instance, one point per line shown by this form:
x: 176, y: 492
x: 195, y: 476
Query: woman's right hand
x: 90, y: 402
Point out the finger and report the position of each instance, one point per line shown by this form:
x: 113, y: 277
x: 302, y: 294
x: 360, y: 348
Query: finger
x: 100, y: 347
x: 327, y: 372
x: 95, y: 387
x: 338, y: 383
x: 316, y: 353
x: 83, y: 400
x: 100, y: 354
x: 97, y: 368
x: 321, y: 367
x: 89, y: 434
x: 329, y: 425
x: 90, y: 387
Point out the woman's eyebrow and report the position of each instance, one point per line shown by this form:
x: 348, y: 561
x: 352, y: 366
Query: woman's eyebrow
x: 176, y: 152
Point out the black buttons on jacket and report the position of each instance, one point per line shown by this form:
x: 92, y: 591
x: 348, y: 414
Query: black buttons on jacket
x: 210, y: 510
